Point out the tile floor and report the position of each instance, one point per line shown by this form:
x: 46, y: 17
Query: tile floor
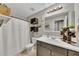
x: 28, y: 53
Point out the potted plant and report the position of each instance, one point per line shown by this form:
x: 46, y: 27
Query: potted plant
x: 72, y: 27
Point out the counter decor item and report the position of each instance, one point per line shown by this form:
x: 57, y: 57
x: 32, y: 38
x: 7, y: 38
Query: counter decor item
x: 67, y: 34
x: 72, y: 27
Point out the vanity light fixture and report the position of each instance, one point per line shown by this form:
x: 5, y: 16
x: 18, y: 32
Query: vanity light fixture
x: 55, y: 9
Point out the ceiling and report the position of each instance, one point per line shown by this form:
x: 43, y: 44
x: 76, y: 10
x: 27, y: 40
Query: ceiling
x: 23, y: 10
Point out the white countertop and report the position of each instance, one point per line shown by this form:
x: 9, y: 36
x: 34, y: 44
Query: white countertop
x: 58, y: 43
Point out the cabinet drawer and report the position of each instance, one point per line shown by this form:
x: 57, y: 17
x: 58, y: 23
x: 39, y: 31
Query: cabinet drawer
x: 47, y: 49
x: 57, y: 51
x: 72, y: 53
x: 42, y: 51
x: 44, y: 44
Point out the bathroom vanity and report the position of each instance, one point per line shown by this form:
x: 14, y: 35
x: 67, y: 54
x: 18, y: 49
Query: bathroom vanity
x: 51, y: 47
x: 45, y: 49
x: 54, y: 21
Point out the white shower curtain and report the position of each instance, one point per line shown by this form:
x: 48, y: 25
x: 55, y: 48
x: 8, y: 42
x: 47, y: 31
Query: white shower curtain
x: 14, y: 36
x: 1, y: 43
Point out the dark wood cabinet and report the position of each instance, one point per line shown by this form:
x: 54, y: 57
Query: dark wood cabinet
x: 73, y: 53
x: 57, y: 51
x: 45, y: 49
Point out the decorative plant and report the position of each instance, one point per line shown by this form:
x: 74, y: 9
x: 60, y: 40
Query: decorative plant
x: 61, y: 29
x: 71, y: 26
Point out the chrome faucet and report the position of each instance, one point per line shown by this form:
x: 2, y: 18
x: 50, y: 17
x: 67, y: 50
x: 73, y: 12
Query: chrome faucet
x: 48, y: 35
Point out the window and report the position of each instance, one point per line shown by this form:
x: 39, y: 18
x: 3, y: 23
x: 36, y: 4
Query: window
x: 58, y: 25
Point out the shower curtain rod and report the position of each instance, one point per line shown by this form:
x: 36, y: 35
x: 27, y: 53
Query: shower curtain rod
x: 19, y: 18
x: 14, y: 17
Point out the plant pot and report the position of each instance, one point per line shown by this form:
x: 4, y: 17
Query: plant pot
x: 72, y: 29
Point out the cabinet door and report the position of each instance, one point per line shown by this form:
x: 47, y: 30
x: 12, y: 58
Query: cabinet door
x: 42, y: 51
x: 72, y: 53
x: 57, y: 51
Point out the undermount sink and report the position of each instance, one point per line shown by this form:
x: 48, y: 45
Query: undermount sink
x: 57, y: 38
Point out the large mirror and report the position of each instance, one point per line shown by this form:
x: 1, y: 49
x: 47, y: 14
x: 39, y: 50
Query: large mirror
x: 55, y: 21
